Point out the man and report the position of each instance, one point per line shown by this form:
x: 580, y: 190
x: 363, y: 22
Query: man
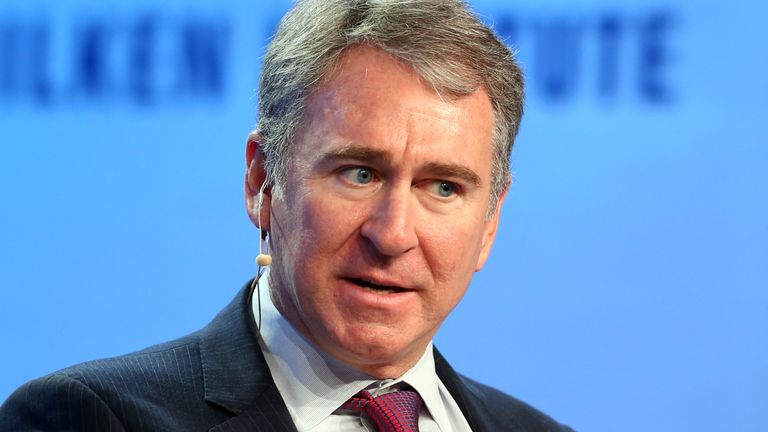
x: 376, y: 176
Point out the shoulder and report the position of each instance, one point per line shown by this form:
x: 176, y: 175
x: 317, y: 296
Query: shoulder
x: 155, y: 370
x: 191, y: 383
x: 56, y: 402
x: 509, y: 413
x: 116, y: 393
x: 147, y: 371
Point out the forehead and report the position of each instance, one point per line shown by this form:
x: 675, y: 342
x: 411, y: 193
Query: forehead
x: 371, y: 98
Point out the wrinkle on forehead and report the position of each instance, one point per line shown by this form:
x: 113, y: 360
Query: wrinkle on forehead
x: 368, y: 100
x: 444, y: 115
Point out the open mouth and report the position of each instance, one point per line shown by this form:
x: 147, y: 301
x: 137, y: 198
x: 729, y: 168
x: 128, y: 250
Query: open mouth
x: 383, y: 289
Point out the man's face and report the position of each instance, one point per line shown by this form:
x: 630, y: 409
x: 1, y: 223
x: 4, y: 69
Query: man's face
x: 382, y: 221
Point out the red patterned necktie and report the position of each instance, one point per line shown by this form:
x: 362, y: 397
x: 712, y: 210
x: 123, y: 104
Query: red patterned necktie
x: 391, y: 412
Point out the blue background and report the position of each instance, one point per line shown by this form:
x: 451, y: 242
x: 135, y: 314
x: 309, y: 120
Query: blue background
x: 628, y: 286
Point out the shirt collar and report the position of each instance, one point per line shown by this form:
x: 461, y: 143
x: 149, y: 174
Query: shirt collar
x: 314, y: 385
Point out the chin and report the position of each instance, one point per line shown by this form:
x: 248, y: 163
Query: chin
x: 379, y: 348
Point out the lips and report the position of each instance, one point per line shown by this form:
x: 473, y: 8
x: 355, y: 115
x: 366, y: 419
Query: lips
x: 376, y: 286
x: 365, y: 292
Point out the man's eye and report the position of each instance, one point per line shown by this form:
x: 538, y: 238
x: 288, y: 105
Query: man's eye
x: 444, y: 189
x: 359, y: 175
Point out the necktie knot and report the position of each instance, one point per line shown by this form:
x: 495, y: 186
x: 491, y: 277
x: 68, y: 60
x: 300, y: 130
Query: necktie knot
x: 391, y: 412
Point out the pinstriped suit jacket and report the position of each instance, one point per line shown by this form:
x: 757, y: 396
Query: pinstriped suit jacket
x: 215, y: 379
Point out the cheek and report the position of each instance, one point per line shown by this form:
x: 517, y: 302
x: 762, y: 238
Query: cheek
x: 328, y: 222
x: 453, y: 251
x: 320, y: 228
x: 452, y: 254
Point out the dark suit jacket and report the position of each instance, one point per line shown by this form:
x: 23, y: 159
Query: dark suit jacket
x: 215, y: 379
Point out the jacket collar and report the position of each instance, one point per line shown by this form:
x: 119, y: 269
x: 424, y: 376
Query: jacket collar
x: 468, y: 397
x: 229, y: 352
x: 236, y: 376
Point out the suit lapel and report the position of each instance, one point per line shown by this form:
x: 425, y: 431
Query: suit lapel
x: 467, y: 397
x: 236, y: 376
x: 268, y: 413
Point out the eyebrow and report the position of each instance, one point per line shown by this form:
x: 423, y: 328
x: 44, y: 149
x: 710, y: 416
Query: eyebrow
x: 363, y: 154
x: 452, y: 170
x: 369, y: 155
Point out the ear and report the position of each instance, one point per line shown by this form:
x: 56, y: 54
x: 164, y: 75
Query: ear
x: 255, y: 176
x: 490, y: 228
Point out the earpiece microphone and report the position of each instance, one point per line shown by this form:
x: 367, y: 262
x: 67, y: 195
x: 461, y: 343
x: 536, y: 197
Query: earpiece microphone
x: 263, y: 259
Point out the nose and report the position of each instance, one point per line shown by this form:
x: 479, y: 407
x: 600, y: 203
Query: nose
x: 391, y: 225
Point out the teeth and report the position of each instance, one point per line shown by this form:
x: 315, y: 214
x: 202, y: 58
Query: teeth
x: 376, y: 288
x: 381, y: 290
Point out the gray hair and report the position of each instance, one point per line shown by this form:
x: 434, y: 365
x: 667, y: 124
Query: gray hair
x: 443, y: 40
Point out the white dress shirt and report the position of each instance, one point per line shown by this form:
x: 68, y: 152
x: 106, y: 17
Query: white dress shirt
x: 314, y: 385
